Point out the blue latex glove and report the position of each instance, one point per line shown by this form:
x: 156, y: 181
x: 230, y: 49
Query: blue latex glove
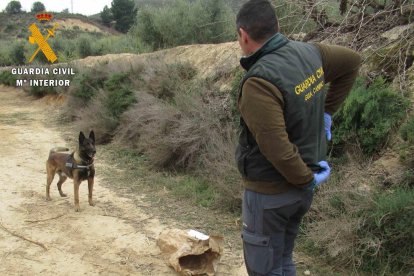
x: 328, y: 124
x: 322, y: 175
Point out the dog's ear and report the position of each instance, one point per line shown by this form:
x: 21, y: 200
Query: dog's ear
x: 81, y: 137
x: 92, y: 136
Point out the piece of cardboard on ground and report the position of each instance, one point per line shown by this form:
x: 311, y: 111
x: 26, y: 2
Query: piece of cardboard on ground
x: 190, y: 252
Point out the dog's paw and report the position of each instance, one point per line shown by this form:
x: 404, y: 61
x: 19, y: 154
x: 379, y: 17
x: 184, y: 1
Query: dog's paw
x: 91, y: 203
x: 77, y: 208
x: 48, y: 198
x: 63, y: 195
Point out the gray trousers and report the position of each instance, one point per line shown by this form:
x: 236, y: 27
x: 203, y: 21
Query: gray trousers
x: 270, y: 226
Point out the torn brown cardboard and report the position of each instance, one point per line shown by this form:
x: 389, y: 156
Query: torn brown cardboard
x: 191, y: 252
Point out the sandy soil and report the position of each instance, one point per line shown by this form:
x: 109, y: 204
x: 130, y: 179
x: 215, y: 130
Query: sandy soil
x: 71, y: 23
x: 113, y: 238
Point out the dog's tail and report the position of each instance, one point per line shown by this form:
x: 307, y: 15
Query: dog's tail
x: 58, y: 149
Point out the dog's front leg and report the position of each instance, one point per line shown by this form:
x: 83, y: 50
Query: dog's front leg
x: 76, y: 184
x: 90, y: 189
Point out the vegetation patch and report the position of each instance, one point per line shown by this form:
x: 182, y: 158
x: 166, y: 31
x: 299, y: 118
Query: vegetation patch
x: 180, y: 124
x: 99, y: 101
x: 120, y: 96
x: 386, y: 236
x: 7, y: 78
x: 85, y: 84
x: 205, y: 22
x: 368, y: 116
x: 407, y: 131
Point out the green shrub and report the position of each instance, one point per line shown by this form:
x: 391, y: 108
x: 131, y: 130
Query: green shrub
x: 66, y: 49
x: 17, y: 54
x: 84, y: 47
x: 184, y: 22
x: 7, y: 78
x: 129, y: 43
x: 387, y: 236
x: 407, y: 130
x: 120, y: 96
x: 168, y: 79
x: 87, y: 83
x: 40, y: 91
x: 101, y: 101
x: 5, y: 59
x: 368, y: 116
x: 406, y: 150
x: 10, y: 28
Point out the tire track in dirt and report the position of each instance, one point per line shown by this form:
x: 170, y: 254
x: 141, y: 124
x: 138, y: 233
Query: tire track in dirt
x: 113, y: 238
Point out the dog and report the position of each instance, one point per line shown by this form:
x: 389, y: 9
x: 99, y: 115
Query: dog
x: 77, y: 165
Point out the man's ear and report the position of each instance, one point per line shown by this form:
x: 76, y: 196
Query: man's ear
x: 92, y: 136
x: 81, y: 137
x: 244, y: 36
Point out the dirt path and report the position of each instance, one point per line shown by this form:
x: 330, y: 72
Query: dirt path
x: 92, y: 242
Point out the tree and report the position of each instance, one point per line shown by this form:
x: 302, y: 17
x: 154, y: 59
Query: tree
x: 65, y: 11
x: 106, y: 16
x: 124, y: 13
x: 38, y: 7
x: 14, y: 7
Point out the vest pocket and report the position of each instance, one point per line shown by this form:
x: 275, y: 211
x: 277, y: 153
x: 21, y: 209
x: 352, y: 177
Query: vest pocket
x: 257, y: 252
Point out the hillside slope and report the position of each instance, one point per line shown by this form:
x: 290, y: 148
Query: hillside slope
x: 15, y: 26
x: 208, y: 59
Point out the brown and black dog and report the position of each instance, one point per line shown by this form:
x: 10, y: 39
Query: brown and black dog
x: 78, y: 166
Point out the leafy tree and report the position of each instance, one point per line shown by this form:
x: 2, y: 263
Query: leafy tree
x: 124, y: 13
x: 14, y: 7
x: 38, y: 7
x: 65, y: 11
x: 106, y: 16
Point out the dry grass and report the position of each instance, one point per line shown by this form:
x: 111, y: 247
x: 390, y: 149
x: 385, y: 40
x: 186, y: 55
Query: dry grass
x: 333, y: 219
x: 181, y: 124
x: 355, y: 217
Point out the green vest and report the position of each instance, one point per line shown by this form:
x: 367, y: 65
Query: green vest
x: 295, y: 68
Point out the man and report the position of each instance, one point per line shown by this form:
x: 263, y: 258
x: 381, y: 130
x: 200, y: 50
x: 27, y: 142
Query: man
x: 285, y: 120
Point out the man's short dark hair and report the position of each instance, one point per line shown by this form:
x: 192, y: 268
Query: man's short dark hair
x: 258, y: 19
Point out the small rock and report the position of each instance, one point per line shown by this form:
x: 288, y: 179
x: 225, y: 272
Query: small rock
x: 307, y: 272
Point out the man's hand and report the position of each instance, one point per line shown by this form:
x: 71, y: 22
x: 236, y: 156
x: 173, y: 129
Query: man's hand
x: 321, y: 176
x: 328, y: 124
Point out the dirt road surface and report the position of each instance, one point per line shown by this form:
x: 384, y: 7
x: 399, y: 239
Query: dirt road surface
x: 91, y: 242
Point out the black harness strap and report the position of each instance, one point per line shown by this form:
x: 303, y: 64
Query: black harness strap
x: 71, y: 164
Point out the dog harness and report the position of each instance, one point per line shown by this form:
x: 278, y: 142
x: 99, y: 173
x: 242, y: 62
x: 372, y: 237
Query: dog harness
x: 73, y: 165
